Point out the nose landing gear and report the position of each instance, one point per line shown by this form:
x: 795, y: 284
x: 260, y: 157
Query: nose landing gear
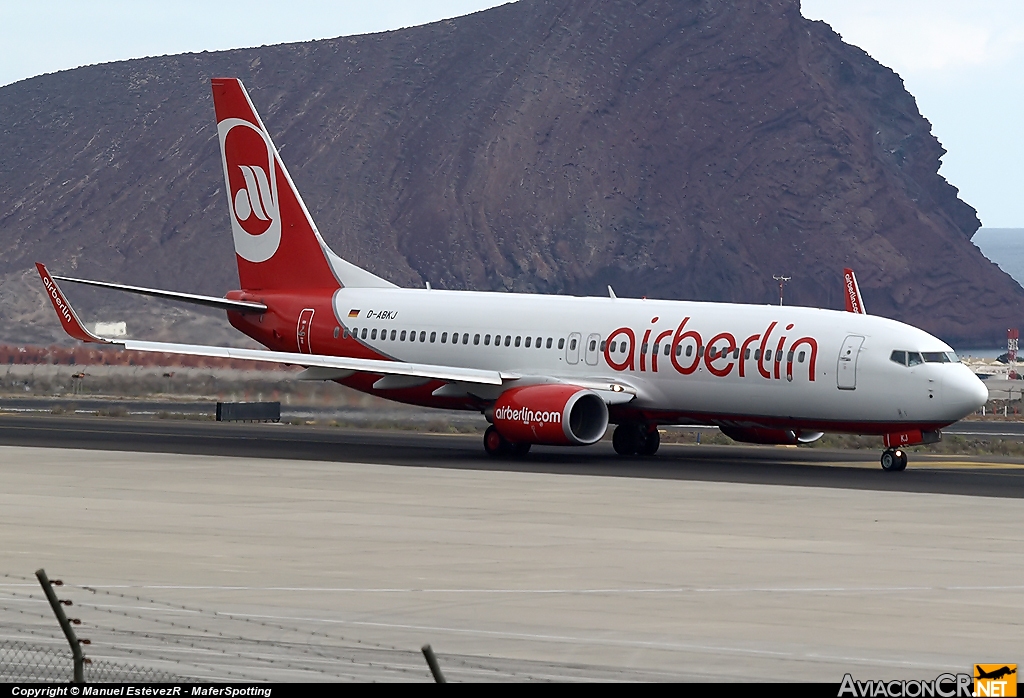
x: 894, y: 460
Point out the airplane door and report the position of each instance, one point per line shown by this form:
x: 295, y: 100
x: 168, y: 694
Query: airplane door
x: 303, y: 330
x: 572, y: 349
x: 846, y: 372
x: 593, y: 349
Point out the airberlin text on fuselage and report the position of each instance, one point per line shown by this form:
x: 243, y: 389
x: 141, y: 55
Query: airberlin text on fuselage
x: 760, y: 354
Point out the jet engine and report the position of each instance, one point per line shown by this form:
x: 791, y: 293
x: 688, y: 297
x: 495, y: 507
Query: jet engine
x: 758, y: 435
x: 552, y: 414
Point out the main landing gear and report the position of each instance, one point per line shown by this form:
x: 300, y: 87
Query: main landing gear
x: 894, y: 460
x: 636, y: 438
x: 498, y: 446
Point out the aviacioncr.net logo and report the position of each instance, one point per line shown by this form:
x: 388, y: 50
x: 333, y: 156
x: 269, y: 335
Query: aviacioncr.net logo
x: 251, y: 178
x: 527, y: 416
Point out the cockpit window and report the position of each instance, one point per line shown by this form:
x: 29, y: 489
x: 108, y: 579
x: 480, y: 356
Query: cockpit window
x: 899, y: 357
x: 913, y: 358
x: 936, y: 357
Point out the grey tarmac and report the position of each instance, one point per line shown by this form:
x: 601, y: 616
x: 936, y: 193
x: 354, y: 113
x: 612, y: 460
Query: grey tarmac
x: 342, y: 567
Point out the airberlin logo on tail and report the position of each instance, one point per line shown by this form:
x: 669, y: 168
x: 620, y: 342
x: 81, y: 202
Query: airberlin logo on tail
x: 250, y: 175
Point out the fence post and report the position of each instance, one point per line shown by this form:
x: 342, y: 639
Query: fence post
x: 435, y: 668
x: 65, y: 625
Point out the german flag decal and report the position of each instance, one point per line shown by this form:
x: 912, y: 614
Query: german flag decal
x: 353, y: 313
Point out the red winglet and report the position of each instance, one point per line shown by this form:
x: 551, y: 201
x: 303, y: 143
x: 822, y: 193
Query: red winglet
x: 854, y: 303
x: 69, y: 320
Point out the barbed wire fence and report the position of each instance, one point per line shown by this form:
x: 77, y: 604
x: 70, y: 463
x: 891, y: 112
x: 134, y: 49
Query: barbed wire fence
x: 132, y: 638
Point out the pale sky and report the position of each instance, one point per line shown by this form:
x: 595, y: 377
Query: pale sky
x: 964, y: 61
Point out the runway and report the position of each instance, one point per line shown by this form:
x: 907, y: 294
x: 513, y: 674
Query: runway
x: 778, y: 465
x: 326, y: 554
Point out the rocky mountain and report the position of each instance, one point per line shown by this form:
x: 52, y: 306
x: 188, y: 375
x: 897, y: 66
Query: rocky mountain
x: 671, y: 148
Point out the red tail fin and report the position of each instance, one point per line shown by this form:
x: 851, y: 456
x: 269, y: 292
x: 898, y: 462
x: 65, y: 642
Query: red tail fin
x: 854, y: 302
x: 276, y: 241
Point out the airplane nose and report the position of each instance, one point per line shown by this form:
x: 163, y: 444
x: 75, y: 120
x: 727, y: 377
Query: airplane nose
x: 964, y: 393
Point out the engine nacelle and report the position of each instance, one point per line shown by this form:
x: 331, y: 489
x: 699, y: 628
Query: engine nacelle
x: 552, y: 414
x: 758, y: 435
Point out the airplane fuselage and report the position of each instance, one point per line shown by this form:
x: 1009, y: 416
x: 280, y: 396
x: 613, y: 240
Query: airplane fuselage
x: 759, y: 364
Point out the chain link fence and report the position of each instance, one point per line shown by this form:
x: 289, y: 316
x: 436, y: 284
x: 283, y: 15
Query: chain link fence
x: 22, y: 662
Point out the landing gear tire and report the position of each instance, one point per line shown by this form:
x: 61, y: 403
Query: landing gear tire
x: 497, y: 446
x: 633, y: 438
x: 652, y: 441
x: 519, y: 450
x: 894, y: 460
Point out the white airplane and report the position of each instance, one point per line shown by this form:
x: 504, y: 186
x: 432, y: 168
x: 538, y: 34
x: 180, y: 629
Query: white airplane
x: 555, y: 370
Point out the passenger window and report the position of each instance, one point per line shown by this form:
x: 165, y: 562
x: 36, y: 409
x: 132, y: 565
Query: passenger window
x: 572, y: 345
x: 364, y: 334
x: 373, y: 335
x: 643, y: 348
x: 476, y: 339
x: 465, y: 338
x: 433, y: 337
x: 657, y: 348
x: 593, y: 345
x: 898, y: 357
x: 518, y: 340
x: 393, y: 333
x: 746, y: 354
x: 337, y: 330
x: 736, y: 354
x: 487, y: 340
x: 402, y: 337
x: 423, y: 336
x: 789, y: 356
x: 537, y: 343
x: 768, y: 355
x: 529, y: 341
x: 508, y: 340
x: 549, y: 343
x: 913, y: 358
x: 801, y: 356
x: 757, y: 354
x: 561, y: 343
x: 689, y: 350
x: 679, y: 350
x: 667, y: 349
x: 700, y: 351
x: 444, y: 337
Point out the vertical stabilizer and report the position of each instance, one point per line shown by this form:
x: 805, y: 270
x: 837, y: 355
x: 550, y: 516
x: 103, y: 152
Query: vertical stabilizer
x: 277, y: 245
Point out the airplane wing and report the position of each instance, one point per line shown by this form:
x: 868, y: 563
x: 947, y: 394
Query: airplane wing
x: 74, y: 327
x: 209, y: 301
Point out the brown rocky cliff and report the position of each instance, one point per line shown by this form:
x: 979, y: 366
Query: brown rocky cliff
x: 673, y: 149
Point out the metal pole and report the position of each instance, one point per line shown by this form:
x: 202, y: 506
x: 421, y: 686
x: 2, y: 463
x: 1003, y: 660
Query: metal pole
x: 435, y: 668
x: 65, y: 625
